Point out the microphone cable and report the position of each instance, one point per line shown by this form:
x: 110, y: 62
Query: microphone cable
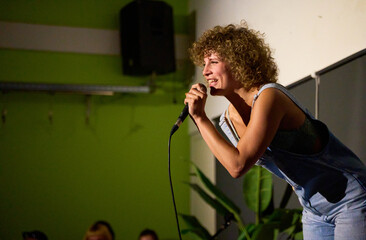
x: 175, y: 127
x: 171, y: 187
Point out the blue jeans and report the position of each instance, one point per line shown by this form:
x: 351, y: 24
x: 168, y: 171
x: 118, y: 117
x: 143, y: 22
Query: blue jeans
x: 344, y: 220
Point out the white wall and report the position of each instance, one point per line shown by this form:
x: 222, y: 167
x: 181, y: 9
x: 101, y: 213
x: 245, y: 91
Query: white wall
x: 39, y: 37
x: 306, y: 35
x: 199, y: 208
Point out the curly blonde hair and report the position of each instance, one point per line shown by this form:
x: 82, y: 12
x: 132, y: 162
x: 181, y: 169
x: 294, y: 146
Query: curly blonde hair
x: 244, y: 49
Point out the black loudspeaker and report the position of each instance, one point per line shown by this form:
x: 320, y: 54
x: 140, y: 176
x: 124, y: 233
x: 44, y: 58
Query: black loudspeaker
x: 147, y: 38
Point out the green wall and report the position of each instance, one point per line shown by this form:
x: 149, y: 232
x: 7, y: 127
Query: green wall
x: 79, y: 13
x: 60, y: 176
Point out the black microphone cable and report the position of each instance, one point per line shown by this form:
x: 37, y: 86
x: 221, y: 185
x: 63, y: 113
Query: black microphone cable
x: 175, y: 127
x: 180, y: 120
x: 171, y: 187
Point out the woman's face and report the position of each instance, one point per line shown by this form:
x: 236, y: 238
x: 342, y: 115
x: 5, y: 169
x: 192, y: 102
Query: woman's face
x: 218, y: 75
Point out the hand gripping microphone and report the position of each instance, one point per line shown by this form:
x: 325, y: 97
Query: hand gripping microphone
x: 184, y: 113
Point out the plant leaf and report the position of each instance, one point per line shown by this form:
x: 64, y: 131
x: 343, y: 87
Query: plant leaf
x: 287, y: 218
x: 221, y: 209
x: 195, y: 227
x: 249, y: 229
x: 299, y: 236
x: 257, y: 189
x: 291, y: 222
x: 265, y: 231
x: 220, y: 196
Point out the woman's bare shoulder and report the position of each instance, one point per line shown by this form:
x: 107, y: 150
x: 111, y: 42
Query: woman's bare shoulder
x: 275, y: 100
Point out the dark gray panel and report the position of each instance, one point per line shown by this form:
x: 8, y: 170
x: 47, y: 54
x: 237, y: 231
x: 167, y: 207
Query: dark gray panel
x: 342, y: 95
x: 305, y: 93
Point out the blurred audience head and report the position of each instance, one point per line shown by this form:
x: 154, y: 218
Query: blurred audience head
x: 100, y: 230
x: 34, y: 235
x: 148, y: 234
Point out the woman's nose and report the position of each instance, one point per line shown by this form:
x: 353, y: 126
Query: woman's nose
x: 206, y: 71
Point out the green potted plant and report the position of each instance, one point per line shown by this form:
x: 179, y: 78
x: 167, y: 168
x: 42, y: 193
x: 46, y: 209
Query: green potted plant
x: 258, y: 196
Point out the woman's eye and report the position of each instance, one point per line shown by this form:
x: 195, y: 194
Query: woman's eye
x: 210, y: 62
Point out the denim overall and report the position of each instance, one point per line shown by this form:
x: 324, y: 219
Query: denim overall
x: 330, y: 185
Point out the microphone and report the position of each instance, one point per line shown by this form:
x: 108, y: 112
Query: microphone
x: 184, y: 114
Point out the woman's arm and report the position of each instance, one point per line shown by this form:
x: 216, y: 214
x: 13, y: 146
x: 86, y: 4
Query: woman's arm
x: 264, y: 121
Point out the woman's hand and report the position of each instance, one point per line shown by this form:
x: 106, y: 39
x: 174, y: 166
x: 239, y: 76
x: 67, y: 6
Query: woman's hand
x: 196, y: 100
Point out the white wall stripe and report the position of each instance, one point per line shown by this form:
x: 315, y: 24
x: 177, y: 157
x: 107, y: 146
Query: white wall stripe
x: 70, y: 39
